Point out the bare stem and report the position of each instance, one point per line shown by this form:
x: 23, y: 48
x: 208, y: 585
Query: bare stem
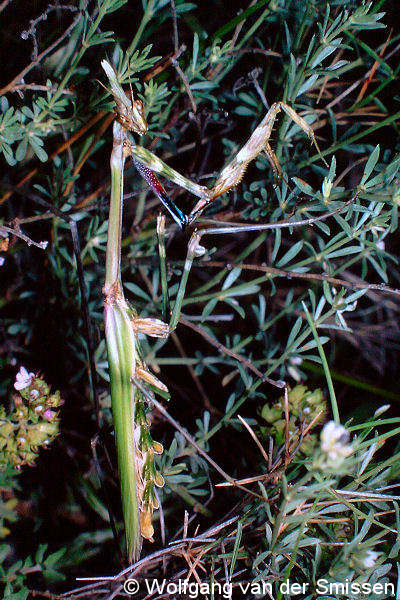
x: 163, y: 265
x: 121, y: 349
x: 113, y: 254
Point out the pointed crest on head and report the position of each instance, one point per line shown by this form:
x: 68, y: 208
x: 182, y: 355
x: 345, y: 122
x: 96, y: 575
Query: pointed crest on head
x: 130, y: 113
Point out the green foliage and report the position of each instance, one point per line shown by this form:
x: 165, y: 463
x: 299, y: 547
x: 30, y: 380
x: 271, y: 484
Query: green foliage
x: 305, y: 410
x: 317, y: 531
x: 8, y: 503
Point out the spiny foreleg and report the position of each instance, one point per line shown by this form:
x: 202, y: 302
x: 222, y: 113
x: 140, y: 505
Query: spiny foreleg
x: 232, y: 174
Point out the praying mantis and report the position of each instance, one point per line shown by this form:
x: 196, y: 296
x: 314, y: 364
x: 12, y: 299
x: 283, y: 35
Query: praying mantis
x: 131, y: 382
x: 130, y: 114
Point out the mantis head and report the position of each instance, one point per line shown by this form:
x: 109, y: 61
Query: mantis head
x: 129, y: 113
x: 132, y: 117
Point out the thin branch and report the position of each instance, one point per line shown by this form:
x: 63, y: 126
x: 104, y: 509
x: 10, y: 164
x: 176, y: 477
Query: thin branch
x: 307, y: 276
x: 255, y: 51
x: 33, y: 219
x: 348, y: 169
x: 9, y: 230
x: 185, y: 434
x: 373, y: 69
x: 191, y: 441
x: 174, y: 60
x: 255, y: 438
x: 185, y: 82
x: 175, y: 548
x: 99, y: 133
x: 31, y: 32
x: 287, y: 417
x: 259, y: 90
x: 40, y: 57
x: 239, y: 227
x: 43, y: 594
x: 175, y: 26
x: 39, y: 88
x: 86, y: 317
x: 224, y: 350
x: 192, y: 372
x: 164, y: 63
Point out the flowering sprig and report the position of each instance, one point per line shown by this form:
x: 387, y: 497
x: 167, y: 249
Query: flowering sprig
x: 364, y: 559
x: 32, y: 424
x: 335, y: 446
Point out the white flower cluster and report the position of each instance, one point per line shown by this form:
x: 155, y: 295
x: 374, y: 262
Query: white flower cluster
x: 370, y: 559
x: 362, y: 559
x: 334, y: 444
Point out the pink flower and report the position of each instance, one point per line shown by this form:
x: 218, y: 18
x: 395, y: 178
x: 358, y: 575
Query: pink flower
x: 49, y: 414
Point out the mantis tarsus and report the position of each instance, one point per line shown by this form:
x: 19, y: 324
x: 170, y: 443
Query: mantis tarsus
x: 128, y: 373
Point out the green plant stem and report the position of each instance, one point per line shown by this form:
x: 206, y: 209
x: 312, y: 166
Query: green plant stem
x: 350, y: 140
x: 335, y: 409
x: 182, y: 286
x: 147, y: 16
x: 163, y: 265
x: 113, y: 253
x: 77, y: 58
x: 121, y: 359
x: 352, y: 382
x: 121, y: 350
